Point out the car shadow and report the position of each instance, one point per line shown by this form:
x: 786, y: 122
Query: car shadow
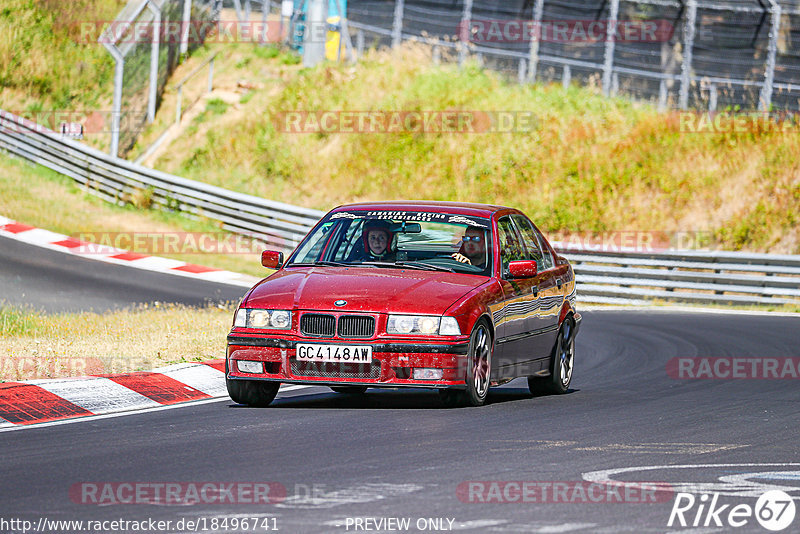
x: 392, y: 399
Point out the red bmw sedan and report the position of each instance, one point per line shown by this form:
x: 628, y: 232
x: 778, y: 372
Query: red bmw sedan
x: 453, y: 296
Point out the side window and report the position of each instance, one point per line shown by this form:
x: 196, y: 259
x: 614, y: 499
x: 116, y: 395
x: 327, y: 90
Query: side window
x: 534, y: 242
x: 548, y: 262
x: 528, y: 233
x: 511, y: 248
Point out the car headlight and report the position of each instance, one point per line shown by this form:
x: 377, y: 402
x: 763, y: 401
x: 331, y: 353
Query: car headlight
x: 422, y: 324
x: 256, y: 318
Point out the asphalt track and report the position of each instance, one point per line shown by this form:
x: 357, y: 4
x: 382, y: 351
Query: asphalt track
x: 52, y: 281
x: 401, y: 455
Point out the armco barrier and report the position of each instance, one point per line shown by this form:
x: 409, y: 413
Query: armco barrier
x: 117, y: 180
x: 717, y: 277
x: 704, y: 277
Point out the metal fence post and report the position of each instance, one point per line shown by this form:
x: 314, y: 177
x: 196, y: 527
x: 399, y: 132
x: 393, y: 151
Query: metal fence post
x: 155, y: 9
x: 186, y: 20
x: 266, y: 7
x: 662, y: 95
x: 533, y: 52
x: 765, y: 100
x: 360, y: 42
x: 466, y: 31
x: 566, y: 76
x: 712, y: 97
x: 119, y: 73
x: 237, y: 5
x: 611, y: 41
x: 521, y: 68
x: 688, y: 46
x: 314, y: 48
x: 344, y: 34
x: 397, y: 26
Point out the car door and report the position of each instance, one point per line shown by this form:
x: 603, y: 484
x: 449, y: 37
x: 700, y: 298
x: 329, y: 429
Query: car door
x: 542, y: 323
x: 519, y: 302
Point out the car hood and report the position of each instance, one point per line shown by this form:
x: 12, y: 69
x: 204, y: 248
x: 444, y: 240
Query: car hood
x: 364, y: 289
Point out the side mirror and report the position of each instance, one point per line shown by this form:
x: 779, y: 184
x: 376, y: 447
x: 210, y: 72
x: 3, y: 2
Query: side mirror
x: 523, y: 269
x: 272, y: 259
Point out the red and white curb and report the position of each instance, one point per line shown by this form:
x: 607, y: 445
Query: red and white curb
x: 62, y: 243
x: 49, y: 400
x: 39, y: 401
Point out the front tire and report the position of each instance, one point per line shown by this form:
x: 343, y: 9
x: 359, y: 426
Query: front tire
x: 251, y: 392
x: 479, y: 362
x: 480, y: 365
x: 561, y: 365
x: 451, y: 398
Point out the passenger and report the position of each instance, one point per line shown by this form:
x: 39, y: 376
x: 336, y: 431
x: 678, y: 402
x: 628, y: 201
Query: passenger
x: 473, y: 248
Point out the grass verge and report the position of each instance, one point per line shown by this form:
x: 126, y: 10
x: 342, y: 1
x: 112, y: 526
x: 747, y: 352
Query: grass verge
x: 47, y: 62
x: 37, y: 345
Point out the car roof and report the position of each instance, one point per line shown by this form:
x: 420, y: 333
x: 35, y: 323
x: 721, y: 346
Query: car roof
x: 455, y: 208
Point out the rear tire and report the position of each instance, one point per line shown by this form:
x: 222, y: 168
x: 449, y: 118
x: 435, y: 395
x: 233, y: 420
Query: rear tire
x: 561, y: 364
x: 350, y: 390
x: 251, y: 392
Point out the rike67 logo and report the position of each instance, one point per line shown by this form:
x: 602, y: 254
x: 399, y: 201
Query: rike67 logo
x: 774, y: 510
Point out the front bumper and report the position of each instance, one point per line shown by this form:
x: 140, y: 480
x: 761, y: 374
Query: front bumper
x: 393, y: 362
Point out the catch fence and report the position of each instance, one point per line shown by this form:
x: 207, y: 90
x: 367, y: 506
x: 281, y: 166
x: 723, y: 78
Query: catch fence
x: 683, y: 54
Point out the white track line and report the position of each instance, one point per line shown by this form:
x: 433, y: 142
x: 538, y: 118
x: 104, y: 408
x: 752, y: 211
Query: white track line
x: 88, y: 418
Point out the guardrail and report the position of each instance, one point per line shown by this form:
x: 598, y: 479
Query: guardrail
x: 117, y: 180
x: 701, y: 277
x: 622, y: 276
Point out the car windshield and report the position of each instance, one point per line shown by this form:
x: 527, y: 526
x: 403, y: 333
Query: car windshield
x: 399, y: 239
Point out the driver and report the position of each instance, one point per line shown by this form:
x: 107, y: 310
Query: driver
x: 473, y: 248
x: 379, y: 240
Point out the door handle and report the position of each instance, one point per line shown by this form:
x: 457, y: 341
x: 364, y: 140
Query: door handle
x: 559, y: 282
x: 535, y: 291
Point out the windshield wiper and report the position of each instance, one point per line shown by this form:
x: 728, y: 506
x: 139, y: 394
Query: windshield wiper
x: 322, y: 262
x: 420, y: 266
x: 424, y: 266
x: 333, y: 263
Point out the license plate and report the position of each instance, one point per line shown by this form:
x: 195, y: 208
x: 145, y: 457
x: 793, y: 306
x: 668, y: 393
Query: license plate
x: 334, y: 353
